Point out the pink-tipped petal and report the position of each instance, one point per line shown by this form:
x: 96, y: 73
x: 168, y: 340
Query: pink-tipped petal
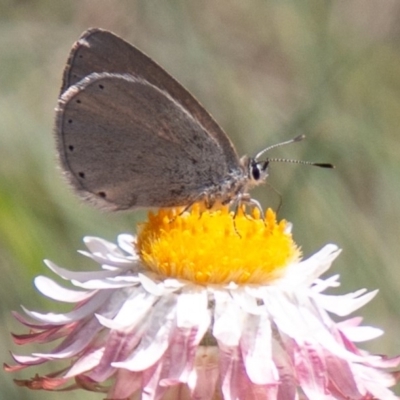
x: 234, y: 380
x: 203, y: 379
x: 125, y: 384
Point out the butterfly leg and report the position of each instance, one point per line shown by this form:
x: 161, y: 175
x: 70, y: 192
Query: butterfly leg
x: 246, y: 199
x: 208, y: 203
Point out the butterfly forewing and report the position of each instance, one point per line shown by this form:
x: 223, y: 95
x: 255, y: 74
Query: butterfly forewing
x: 101, y: 51
x: 125, y: 143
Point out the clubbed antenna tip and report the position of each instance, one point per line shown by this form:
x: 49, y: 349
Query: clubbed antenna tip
x: 324, y: 165
x: 299, y: 138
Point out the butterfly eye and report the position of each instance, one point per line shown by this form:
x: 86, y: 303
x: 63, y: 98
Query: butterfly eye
x: 255, y: 172
x: 258, y: 170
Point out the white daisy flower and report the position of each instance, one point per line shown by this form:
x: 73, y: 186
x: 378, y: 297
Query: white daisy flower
x: 201, y: 306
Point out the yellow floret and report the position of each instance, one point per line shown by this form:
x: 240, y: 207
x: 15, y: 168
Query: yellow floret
x: 216, y: 246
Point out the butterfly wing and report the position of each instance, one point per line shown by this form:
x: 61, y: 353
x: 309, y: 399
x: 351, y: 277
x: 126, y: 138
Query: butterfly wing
x: 101, y: 51
x: 125, y: 143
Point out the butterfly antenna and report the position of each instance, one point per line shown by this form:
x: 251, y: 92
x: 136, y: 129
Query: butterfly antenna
x: 314, y: 164
x: 296, y: 139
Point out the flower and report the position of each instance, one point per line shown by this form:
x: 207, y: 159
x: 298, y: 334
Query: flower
x: 202, y: 305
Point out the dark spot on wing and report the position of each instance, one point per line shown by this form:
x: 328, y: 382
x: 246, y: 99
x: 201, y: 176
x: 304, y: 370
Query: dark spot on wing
x: 198, y: 141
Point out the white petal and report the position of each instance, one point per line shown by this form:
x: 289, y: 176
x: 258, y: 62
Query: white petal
x: 228, y: 319
x: 305, y: 272
x: 86, y: 309
x: 79, y: 276
x: 288, y: 227
x: 112, y: 262
x: 174, y: 284
x: 155, y: 340
x: 192, y: 307
x: 108, y: 283
x: 256, y: 345
x: 320, y: 285
x: 85, y: 363
x: 126, y: 243
x: 27, y: 360
x: 374, y: 381
x: 361, y: 333
x: 101, y: 246
x: 155, y: 288
x: 299, y: 322
x: 134, y: 309
x: 54, y: 291
x: 343, y: 305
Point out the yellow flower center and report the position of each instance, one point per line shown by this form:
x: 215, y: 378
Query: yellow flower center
x: 216, y: 247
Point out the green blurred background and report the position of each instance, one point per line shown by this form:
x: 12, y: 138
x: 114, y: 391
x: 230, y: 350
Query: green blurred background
x: 267, y: 71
